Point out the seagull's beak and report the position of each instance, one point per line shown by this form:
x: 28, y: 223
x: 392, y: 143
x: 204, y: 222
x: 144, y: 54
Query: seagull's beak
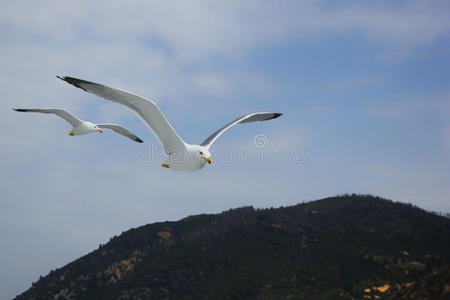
x: 99, y: 130
x: 208, y: 160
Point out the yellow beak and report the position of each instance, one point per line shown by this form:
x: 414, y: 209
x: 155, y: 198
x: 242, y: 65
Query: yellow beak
x: 208, y: 160
x: 99, y: 130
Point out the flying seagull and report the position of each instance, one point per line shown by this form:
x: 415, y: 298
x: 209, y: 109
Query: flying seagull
x: 180, y: 155
x: 81, y: 127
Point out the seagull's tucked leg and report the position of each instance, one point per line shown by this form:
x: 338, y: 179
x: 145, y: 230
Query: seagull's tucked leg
x: 165, y: 166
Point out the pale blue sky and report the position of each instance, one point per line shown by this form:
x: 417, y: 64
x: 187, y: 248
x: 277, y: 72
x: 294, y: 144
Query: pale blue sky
x: 363, y: 86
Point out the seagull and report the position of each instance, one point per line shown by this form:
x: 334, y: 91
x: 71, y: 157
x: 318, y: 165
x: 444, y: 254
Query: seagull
x: 81, y: 127
x: 180, y: 155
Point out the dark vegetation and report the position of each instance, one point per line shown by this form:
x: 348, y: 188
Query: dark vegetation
x: 344, y: 247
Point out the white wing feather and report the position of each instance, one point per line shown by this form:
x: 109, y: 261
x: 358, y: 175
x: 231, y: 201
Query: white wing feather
x: 255, y: 117
x: 71, y: 119
x: 144, y: 108
x: 121, y: 130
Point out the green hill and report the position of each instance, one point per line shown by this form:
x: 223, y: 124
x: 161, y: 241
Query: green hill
x: 343, y: 247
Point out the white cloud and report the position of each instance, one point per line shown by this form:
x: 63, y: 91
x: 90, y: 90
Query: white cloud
x: 197, y: 30
x: 167, y: 50
x: 355, y: 83
x: 410, y: 105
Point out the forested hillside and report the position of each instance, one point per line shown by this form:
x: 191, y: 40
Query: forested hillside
x: 341, y: 247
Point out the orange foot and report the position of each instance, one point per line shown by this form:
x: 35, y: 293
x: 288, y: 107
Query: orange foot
x: 165, y: 166
x: 71, y: 134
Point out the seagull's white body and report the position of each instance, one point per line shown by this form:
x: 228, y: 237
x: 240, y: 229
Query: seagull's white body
x: 180, y: 155
x: 81, y: 127
x: 188, y: 159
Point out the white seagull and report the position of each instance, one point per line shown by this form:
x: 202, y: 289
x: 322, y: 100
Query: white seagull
x: 180, y: 155
x: 81, y: 127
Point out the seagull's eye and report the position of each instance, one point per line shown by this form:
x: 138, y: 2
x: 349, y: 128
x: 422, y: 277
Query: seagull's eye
x: 201, y: 152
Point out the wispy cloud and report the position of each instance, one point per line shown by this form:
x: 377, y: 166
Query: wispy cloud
x: 409, y: 105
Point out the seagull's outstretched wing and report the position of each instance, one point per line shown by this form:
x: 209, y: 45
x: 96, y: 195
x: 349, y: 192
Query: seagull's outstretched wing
x: 120, y: 130
x: 71, y: 119
x: 260, y: 116
x: 144, y: 108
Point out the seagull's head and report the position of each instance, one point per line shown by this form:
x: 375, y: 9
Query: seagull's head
x: 98, y: 129
x: 94, y: 127
x: 206, y: 156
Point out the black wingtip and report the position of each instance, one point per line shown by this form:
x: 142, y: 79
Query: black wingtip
x: 19, y: 109
x: 74, y: 81
x: 138, y: 140
x: 276, y: 115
